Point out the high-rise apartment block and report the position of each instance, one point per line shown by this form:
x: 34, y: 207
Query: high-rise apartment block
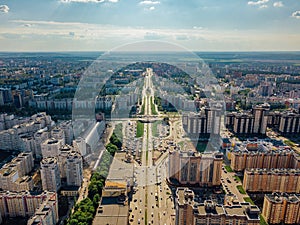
x: 249, y: 123
x: 189, y: 212
x: 206, y: 122
x: 23, y: 204
x: 46, y: 213
x: 289, y: 123
x: 58, y: 134
x: 260, y: 113
x: 74, y: 169
x: 68, y: 131
x: 273, y: 180
x: 40, y: 137
x: 62, y: 157
x: 243, y: 123
x: 281, y: 208
x: 50, y: 174
x: 188, y: 167
x: 50, y: 147
x: 13, y: 174
x: 264, y: 159
x: 15, y: 137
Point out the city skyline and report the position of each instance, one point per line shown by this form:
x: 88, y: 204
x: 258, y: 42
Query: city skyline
x: 92, y: 25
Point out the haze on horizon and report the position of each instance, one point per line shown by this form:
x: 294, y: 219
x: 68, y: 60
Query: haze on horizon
x: 101, y: 25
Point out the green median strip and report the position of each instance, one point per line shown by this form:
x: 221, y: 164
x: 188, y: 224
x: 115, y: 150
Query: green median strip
x: 241, y: 189
x: 237, y: 178
x: 262, y: 220
x: 139, y: 129
x: 248, y: 199
x: 228, y: 169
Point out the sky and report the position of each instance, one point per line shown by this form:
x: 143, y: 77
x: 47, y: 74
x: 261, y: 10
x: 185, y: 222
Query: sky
x: 102, y: 25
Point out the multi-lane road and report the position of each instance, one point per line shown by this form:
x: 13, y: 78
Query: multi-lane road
x: 151, y: 204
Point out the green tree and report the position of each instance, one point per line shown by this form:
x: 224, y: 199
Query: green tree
x: 96, y: 200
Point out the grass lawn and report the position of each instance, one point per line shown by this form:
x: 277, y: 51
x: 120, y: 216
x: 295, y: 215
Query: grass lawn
x: 143, y: 107
x: 154, y: 128
x: 153, y: 110
x: 289, y: 143
x: 262, y: 220
x: 139, y: 129
x: 228, y: 169
x: 237, y: 178
x: 248, y: 199
x: 241, y: 189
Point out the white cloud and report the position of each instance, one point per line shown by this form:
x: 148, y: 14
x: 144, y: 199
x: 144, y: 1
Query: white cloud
x: 89, y: 1
x: 148, y: 2
x: 197, y: 28
x: 152, y: 8
x: 54, y: 36
x: 296, y: 14
x: 278, y: 4
x: 259, y: 2
x: 4, y: 9
x: 154, y: 35
x: 263, y: 6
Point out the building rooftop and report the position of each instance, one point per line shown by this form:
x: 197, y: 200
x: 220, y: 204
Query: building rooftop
x: 111, y: 214
x: 280, y: 197
x: 120, y: 171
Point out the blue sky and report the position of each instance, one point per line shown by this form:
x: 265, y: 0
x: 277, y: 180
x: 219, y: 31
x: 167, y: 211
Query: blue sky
x: 201, y: 25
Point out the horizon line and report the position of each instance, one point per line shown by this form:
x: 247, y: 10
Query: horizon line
x: 195, y: 51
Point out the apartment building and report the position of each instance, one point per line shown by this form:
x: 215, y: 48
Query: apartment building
x: 23, y: 204
x: 273, y: 180
x: 264, y: 159
x: 50, y: 174
x: 189, y: 212
x: 281, y: 208
x: 13, y: 174
x: 50, y: 147
x: 206, y: 122
x: 188, y: 167
x: 46, y: 213
x: 289, y: 123
x: 74, y: 169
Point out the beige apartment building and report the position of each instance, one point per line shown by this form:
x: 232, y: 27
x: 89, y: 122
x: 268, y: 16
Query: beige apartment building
x: 188, y: 167
x: 273, y: 180
x: 281, y: 208
x: 50, y: 174
x: 189, y: 212
x: 14, y: 204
